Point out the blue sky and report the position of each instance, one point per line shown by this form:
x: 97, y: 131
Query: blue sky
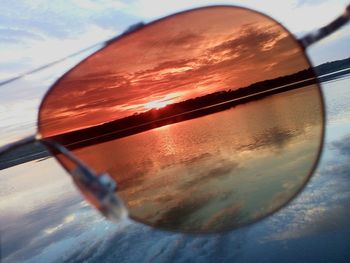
x: 33, y: 33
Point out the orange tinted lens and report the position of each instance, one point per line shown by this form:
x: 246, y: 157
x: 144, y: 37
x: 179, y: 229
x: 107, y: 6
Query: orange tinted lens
x: 208, y: 119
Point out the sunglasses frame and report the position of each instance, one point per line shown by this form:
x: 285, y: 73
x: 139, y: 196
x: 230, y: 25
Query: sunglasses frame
x: 103, y: 187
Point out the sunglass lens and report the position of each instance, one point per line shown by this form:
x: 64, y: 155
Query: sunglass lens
x: 207, y: 120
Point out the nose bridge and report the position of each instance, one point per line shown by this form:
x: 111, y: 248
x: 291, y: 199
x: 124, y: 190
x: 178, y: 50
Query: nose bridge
x: 98, y: 189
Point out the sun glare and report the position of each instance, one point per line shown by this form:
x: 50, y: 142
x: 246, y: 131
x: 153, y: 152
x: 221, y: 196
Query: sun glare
x: 157, y: 104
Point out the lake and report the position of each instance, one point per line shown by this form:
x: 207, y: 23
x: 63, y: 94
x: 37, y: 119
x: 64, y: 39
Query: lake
x: 218, y: 171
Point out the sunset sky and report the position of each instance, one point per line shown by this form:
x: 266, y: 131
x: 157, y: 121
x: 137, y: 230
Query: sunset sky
x: 37, y: 32
x: 183, y: 57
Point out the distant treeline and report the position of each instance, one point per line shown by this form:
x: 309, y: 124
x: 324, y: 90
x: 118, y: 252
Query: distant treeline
x: 196, y: 107
x: 23, y: 154
x: 333, y: 66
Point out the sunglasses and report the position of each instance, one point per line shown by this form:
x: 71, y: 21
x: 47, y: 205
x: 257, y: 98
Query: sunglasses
x: 203, y: 121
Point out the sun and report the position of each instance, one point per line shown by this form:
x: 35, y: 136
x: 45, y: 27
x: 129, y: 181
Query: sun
x: 156, y: 104
x: 161, y: 102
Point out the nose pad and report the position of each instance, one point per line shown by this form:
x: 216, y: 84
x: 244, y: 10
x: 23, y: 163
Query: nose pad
x: 100, y: 191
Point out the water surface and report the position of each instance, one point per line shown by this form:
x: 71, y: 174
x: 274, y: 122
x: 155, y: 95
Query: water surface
x: 217, y: 171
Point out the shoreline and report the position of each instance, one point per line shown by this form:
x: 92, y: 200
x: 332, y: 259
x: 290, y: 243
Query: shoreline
x: 38, y: 151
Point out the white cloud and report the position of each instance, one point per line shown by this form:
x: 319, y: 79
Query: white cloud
x: 99, y: 5
x: 297, y: 17
x: 51, y: 49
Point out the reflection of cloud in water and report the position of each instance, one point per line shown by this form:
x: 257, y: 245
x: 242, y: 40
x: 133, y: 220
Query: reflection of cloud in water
x: 182, y: 211
x: 133, y: 174
x: 185, y: 200
x: 275, y: 137
x: 324, y: 206
x: 189, y: 161
x: 27, y: 228
x: 204, y: 172
x: 342, y: 146
x: 225, y: 218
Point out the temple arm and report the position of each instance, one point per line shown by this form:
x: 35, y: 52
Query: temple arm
x: 325, y: 31
x: 99, y: 188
